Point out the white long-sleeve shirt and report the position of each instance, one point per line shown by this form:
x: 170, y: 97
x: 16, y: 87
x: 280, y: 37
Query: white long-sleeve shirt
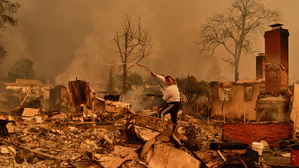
x: 172, y: 93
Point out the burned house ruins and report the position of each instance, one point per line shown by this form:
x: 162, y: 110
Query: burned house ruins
x: 261, y: 107
x: 77, y: 128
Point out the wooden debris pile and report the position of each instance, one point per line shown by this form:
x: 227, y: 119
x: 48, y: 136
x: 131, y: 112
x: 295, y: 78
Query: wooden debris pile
x: 89, y: 132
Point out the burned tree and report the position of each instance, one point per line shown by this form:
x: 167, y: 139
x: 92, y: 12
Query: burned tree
x: 193, y: 89
x: 133, y: 44
x: 7, y: 10
x: 233, y: 30
x: 111, y: 78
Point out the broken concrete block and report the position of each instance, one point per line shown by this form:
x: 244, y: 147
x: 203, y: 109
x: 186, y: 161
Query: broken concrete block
x: 123, y: 151
x: 147, y: 146
x: 119, y: 155
x: 12, y: 149
x: 30, y: 112
x: 10, y: 127
x: 145, y: 134
x: 4, y: 150
x: 160, y: 155
x: 149, y: 155
x: 171, y: 157
x: 2, y: 117
x: 179, y: 158
x: 109, y: 161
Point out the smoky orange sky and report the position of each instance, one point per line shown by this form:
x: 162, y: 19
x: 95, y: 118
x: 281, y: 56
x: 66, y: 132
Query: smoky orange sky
x: 68, y: 39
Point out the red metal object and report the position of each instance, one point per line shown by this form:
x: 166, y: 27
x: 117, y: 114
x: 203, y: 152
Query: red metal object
x: 295, y: 155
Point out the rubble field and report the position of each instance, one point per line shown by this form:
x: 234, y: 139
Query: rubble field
x: 62, y: 139
x: 90, y: 132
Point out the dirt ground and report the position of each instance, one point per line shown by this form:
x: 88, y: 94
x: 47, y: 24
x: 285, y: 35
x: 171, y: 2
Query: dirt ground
x: 276, y: 158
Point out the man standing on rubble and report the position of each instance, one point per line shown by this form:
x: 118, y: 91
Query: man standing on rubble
x: 171, y: 96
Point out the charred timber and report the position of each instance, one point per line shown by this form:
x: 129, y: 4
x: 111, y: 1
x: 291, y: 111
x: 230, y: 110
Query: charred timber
x: 80, y: 93
x: 216, y: 146
x: 18, y: 111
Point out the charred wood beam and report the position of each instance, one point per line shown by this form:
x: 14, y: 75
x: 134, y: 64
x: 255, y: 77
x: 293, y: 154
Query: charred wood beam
x: 216, y: 146
x: 80, y: 93
x: 31, y: 104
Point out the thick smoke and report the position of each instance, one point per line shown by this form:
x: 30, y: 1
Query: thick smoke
x: 74, y: 39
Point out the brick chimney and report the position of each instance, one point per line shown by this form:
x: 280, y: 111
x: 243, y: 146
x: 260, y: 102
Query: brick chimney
x: 260, y: 66
x: 277, y: 61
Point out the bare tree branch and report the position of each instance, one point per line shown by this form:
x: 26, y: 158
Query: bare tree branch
x: 133, y: 44
x: 233, y: 29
